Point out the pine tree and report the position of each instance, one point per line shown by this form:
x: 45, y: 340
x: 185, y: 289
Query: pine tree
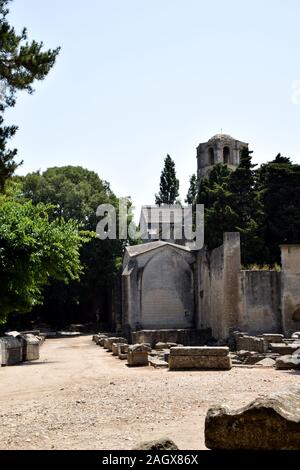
x: 21, y: 64
x: 169, y: 184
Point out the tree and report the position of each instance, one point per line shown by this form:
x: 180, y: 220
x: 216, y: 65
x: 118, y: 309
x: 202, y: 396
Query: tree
x: 169, y: 184
x: 75, y: 193
x: 8, y: 164
x: 246, y: 204
x: 232, y: 204
x: 34, y: 250
x: 21, y: 64
x: 215, y: 195
x: 278, y: 184
x: 193, y: 190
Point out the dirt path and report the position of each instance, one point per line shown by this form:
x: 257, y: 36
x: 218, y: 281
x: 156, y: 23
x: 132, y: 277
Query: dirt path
x: 78, y: 396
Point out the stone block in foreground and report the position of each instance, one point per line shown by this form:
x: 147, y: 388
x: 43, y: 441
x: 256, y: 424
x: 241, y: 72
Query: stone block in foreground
x: 268, y: 423
x: 199, y: 358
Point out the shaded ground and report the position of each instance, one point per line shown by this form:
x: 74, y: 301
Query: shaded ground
x: 78, y: 396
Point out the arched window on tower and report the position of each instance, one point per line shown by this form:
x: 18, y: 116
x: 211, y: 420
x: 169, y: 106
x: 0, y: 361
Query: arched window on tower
x: 211, y: 156
x: 226, y: 155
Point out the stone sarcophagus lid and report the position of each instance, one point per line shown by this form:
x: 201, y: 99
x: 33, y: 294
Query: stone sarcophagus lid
x: 10, y: 350
x: 198, y: 358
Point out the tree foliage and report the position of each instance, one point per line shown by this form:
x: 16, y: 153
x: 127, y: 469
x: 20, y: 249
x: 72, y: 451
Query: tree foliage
x: 192, y: 191
x: 75, y: 193
x: 263, y: 205
x: 278, y: 184
x: 169, y: 184
x: 34, y: 250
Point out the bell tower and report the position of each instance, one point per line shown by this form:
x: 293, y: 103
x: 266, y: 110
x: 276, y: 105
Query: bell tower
x: 221, y: 148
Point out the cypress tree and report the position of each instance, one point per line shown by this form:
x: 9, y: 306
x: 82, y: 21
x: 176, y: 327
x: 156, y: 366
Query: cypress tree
x: 169, y: 184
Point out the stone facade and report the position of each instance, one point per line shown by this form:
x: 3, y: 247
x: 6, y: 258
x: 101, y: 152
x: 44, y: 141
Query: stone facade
x: 167, y: 287
x: 221, y: 148
x: 158, y: 287
x: 290, y: 279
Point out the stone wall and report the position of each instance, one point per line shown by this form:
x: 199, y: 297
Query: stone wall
x: 290, y: 279
x: 229, y: 298
x: 219, y: 287
x: 167, y: 287
x: 185, y: 337
x: 261, y: 294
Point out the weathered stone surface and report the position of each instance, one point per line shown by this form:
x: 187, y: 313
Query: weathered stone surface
x: 288, y: 362
x: 268, y: 423
x: 273, y: 338
x: 200, y: 351
x: 114, y: 349
x: 99, y: 337
x: 31, y: 348
x: 138, y: 355
x: 158, y: 363
x: 122, y: 350
x: 10, y: 350
x: 199, y: 362
x: 13, y: 334
x: 161, y: 444
x: 251, y: 343
x: 284, y: 349
x: 160, y: 346
x: 190, y: 337
x: 102, y: 341
x: 123, y: 357
x: 108, y: 342
x: 140, y: 348
x: 244, y: 354
x: 251, y: 360
x: 252, y: 357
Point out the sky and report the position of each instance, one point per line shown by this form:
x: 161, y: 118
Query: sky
x: 137, y: 79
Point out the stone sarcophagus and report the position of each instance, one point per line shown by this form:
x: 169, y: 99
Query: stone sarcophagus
x: 197, y: 358
x: 10, y: 351
x: 115, y: 345
x: 30, y: 347
x: 138, y: 355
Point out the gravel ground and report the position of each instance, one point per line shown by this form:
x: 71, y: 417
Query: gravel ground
x: 78, y: 396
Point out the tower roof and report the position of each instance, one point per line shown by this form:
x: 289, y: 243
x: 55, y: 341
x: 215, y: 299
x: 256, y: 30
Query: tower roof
x: 223, y: 137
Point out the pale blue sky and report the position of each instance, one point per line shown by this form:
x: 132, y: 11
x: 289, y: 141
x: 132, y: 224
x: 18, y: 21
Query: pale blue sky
x: 137, y: 79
